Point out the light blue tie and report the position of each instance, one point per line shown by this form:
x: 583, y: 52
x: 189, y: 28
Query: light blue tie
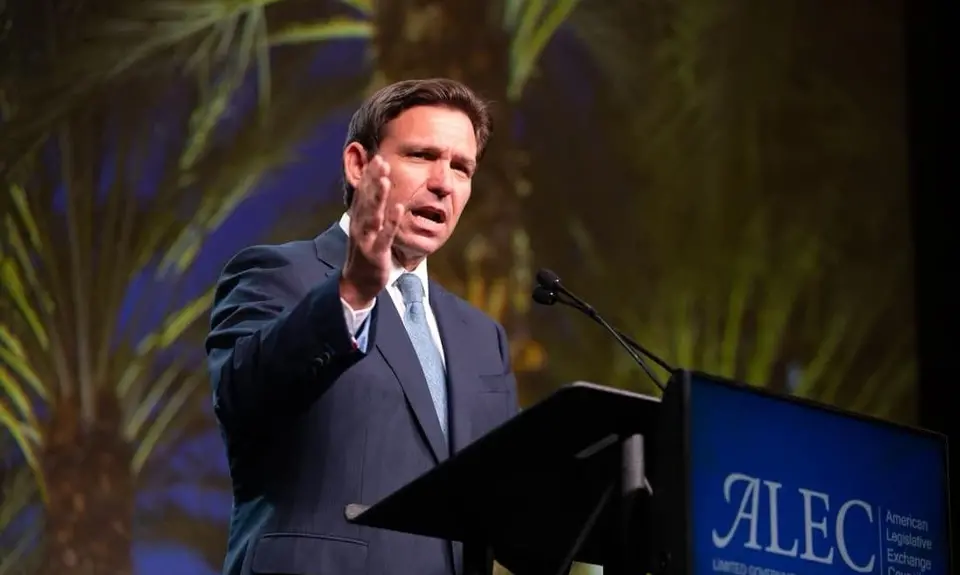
x: 415, y: 320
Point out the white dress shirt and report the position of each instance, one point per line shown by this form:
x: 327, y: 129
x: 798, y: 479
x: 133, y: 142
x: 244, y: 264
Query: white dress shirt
x: 357, y: 319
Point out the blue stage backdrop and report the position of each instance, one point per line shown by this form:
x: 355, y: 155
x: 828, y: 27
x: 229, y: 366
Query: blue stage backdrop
x: 781, y: 487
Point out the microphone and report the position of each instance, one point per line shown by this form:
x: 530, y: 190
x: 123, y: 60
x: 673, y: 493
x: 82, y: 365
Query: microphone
x: 550, y: 290
x: 546, y: 293
x: 543, y: 296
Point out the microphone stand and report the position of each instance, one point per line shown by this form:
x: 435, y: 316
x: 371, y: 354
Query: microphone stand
x: 631, y: 485
x: 546, y: 296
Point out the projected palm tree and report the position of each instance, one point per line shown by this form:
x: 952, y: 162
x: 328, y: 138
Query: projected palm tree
x: 126, y: 142
x: 82, y: 379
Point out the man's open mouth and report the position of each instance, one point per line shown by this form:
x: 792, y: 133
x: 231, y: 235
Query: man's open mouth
x: 430, y: 213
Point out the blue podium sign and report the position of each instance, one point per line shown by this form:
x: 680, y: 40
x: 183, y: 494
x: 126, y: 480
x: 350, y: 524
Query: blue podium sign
x: 781, y: 486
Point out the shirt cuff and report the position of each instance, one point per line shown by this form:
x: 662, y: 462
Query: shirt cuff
x: 355, y: 318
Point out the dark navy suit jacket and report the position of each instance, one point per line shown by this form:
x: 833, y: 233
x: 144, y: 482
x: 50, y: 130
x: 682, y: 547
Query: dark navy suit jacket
x: 311, y: 423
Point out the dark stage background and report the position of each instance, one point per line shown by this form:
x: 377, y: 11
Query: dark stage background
x: 933, y: 123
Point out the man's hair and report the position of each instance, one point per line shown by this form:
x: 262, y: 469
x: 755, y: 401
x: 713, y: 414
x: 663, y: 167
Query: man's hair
x: 369, y: 121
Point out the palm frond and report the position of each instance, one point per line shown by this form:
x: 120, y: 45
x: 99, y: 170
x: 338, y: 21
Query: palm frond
x: 322, y: 31
x: 748, y: 263
x: 81, y: 231
x: 163, y: 518
x: 140, y: 38
x: 25, y: 437
x: 23, y: 556
x: 534, y: 22
x: 363, y: 7
x: 18, y: 532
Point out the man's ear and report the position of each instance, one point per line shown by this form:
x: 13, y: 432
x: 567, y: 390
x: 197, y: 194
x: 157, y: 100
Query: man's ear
x: 354, y: 161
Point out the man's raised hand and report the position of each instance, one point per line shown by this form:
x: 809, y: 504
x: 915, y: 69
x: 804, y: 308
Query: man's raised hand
x: 373, y: 226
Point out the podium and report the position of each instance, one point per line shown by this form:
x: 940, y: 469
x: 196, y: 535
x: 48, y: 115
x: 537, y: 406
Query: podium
x: 544, y: 489
x: 717, y: 477
x: 752, y: 481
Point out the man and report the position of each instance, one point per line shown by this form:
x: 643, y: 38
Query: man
x: 340, y: 371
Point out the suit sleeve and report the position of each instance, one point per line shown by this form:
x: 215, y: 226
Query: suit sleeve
x: 507, y: 369
x: 274, y: 345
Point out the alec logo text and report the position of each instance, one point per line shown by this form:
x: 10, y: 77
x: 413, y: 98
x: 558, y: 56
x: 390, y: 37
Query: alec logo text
x: 756, y: 524
x: 808, y: 525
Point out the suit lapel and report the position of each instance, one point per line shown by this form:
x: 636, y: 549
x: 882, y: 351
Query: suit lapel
x: 390, y: 338
x: 332, y: 247
x: 456, y: 348
x: 394, y: 344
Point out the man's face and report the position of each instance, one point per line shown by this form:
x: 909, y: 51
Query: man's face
x: 432, y: 153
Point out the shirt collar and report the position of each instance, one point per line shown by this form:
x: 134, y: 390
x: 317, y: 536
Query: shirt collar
x: 396, y: 271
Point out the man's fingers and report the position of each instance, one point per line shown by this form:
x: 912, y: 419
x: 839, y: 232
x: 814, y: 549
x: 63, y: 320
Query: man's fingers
x: 391, y: 224
x: 380, y: 180
x: 376, y: 170
x: 376, y: 183
x: 383, y: 168
x: 379, y: 214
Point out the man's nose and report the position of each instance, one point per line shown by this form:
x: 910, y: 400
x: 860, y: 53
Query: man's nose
x: 440, y: 181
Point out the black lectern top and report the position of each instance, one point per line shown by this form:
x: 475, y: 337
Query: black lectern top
x: 527, y: 487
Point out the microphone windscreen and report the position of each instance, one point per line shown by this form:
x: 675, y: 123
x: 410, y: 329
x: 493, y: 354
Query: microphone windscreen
x: 547, y: 278
x: 543, y: 296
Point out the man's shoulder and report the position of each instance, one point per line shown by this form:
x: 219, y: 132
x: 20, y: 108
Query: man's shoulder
x: 273, y: 255
x: 288, y: 267
x: 280, y: 271
x: 326, y: 247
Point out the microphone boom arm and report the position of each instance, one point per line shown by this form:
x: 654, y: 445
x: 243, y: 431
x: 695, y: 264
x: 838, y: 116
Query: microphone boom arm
x: 630, y: 350
x: 589, y: 311
x: 550, y: 291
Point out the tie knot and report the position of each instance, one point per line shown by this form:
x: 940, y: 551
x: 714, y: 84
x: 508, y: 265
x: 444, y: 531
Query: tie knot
x: 411, y: 288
